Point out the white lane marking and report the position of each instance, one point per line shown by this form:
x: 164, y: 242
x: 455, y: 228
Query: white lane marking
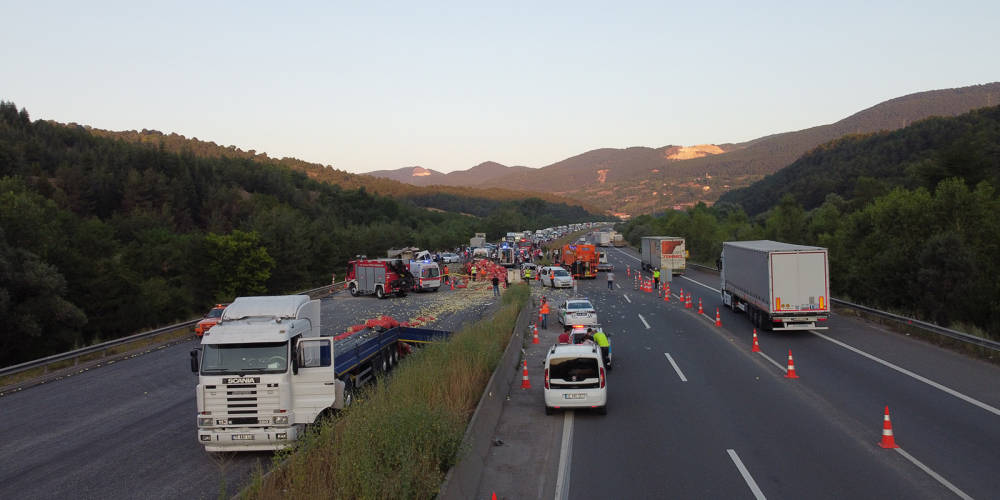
x: 759, y: 495
x: 699, y: 283
x: 627, y: 255
x: 626, y: 298
x: 784, y: 369
x: 644, y: 321
x: 565, y: 454
x: 914, y: 375
x: 676, y: 368
x: 935, y: 475
x: 617, y: 285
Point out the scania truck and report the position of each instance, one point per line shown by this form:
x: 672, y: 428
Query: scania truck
x: 780, y: 286
x: 265, y: 372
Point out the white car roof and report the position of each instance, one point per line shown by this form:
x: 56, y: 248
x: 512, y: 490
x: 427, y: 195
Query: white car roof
x: 579, y: 350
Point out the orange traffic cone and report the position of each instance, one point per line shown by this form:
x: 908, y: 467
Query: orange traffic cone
x: 452, y: 284
x: 700, y: 310
x: 628, y: 270
x: 688, y: 305
x: 888, y: 441
x: 718, y: 319
x: 535, y: 340
x: 666, y: 293
x: 756, y: 346
x: 524, y: 380
x: 494, y: 495
x: 791, y: 366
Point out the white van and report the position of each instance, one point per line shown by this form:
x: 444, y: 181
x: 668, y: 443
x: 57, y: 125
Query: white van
x: 427, y: 275
x: 575, y: 379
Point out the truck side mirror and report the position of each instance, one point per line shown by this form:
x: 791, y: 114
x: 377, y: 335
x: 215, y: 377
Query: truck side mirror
x: 194, y: 360
x: 295, y: 359
x: 718, y: 264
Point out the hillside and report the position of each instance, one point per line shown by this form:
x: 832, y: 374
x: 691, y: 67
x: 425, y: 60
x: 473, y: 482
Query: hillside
x: 862, y: 166
x: 643, y: 180
x: 101, y: 237
x: 176, y: 143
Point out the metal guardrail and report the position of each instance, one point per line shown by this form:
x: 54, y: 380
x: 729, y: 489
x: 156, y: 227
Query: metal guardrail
x: 947, y: 332
x: 104, y: 346
x: 940, y: 330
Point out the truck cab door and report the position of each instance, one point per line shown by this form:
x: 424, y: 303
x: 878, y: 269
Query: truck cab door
x: 314, y: 386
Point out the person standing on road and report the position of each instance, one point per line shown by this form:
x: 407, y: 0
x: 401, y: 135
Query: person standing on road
x: 496, y: 286
x: 446, y: 273
x: 611, y: 280
x: 656, y: 279
x: 544, y: 311
x: 602, y: 342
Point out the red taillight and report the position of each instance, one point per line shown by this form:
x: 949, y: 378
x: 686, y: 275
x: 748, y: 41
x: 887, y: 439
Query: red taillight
x: 822, y: 319
x: 602, y: 377
x: 546, y: 378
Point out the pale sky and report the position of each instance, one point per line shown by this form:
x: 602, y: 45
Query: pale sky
x: 364, y: 86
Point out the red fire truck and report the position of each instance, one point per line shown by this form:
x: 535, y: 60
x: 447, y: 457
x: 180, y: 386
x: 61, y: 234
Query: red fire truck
x: 379, y: 276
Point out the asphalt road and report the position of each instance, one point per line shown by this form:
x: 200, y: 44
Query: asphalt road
x: 812, y: 437
x: 127, y: 429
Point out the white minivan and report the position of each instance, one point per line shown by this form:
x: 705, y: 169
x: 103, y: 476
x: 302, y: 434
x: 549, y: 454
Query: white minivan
x: 575, y: 379
x: 427, y: 275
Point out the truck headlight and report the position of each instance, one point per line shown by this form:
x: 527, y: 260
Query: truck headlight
x: 281, y: 435
x: 205, y: 422
x: 280, y: 420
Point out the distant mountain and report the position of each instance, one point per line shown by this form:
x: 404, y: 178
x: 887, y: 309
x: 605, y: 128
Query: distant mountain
x: 861, y: 166
x: 643, y: 180
x: 419, y: 176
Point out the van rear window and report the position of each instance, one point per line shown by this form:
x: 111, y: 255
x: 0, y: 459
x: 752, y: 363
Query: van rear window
x: 430, y: 272
x: 567, y: 368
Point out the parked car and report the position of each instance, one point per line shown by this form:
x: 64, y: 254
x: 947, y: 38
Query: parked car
x: 449, y: 258
x: 577, y: 311
x: 575, y: 379
x: 556, y: 277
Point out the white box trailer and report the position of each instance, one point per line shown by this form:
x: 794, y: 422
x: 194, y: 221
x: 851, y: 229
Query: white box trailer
x: 478, y: 241
x: 664, y: 253
x: 603, y: 238
x: 779, y: 285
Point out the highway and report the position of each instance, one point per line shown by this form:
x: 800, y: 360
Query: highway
x: 726, y: 423
x: 127, y: 429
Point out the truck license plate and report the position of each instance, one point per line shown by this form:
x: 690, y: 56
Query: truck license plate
x: 799, y: 325
x: 575, y: 396
x: 242, y: 437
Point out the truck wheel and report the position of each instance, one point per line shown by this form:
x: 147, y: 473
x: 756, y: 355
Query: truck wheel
x: 549, y: 410
x: 380, y: 292
x: 385, y: 362
x: 353, y: 289
x: 395, y: 354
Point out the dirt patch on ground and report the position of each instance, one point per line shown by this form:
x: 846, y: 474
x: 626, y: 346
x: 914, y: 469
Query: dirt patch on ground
x: 686, y: 153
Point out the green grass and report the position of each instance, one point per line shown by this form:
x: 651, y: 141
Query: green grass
x: 401, y: 436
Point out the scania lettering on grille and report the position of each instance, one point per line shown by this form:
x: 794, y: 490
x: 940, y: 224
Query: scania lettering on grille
x: 243, y: 380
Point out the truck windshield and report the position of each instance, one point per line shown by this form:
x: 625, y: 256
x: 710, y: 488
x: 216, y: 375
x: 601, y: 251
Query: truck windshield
x: 234, y: 359
x: 215, y: 313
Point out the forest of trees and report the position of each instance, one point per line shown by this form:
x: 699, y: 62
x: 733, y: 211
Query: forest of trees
x: 922, y: 239
x: 101, y: 238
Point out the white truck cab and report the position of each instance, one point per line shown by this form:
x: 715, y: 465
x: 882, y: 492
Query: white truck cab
x: 264, y: 374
